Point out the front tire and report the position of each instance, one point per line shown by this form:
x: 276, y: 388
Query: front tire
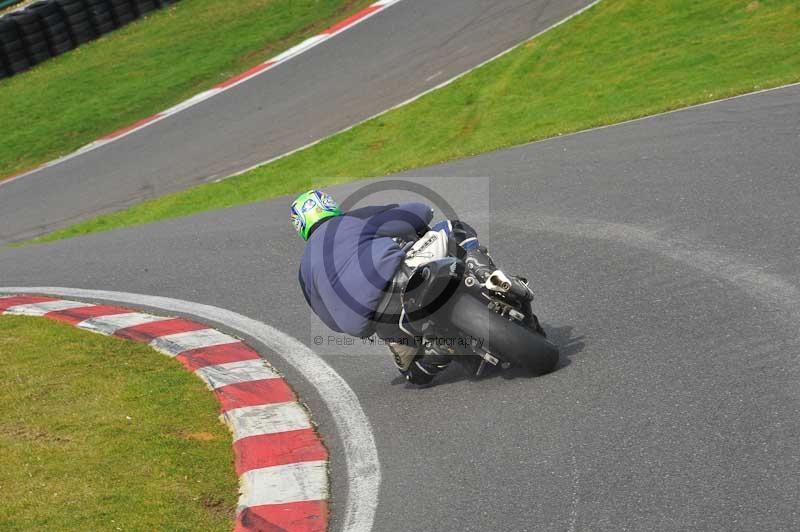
x: 508, y: 340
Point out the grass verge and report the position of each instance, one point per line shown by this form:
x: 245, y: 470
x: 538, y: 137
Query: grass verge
x: 619, y: 60
x: 146, y: 67
x: 100, y: 433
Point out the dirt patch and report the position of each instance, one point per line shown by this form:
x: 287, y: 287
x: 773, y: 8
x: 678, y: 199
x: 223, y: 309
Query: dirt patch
x: 752, y: 6
x: 216, y: 505
x: 201, y: 436
x: 469, y: 125
x: 378, y: 145
x: 26, y: 433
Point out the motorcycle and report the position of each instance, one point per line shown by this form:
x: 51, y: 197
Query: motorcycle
x: 456, y: 312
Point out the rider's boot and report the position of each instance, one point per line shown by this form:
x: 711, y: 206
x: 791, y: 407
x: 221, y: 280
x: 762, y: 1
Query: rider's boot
x: 403, y: 354
x: 414, y: 364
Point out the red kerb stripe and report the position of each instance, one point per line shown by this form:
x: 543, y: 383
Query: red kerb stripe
x: 254, y: 393
x: 247, y: 73
x: 77, y: 315
x: 8, y: 302
x: 140, y: 123
x: 307, y: 516
x: 13, y: 176
x: 148, y: 331
x: 352, y: 19
x: 218, y: 354
x: 267, y: 450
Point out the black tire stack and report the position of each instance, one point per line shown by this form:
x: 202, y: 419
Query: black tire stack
x: 33, y: 37
x: 54, y: 25
x: 51, y: 27
x: 124, y: 12
x: 79, y: 20
x: 12, y: 49
x: 101, y: 15
x: 144, y: 7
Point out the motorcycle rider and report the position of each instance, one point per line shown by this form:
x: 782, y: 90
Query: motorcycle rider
x: 351, y: 258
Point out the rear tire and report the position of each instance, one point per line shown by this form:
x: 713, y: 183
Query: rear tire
x: 508, y: 340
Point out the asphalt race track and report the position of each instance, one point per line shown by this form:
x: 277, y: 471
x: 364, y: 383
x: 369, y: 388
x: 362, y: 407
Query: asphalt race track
x: 664, y: 257
x: 395, y: 55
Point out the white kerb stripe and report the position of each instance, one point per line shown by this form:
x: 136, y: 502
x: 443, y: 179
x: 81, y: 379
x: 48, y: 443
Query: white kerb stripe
x: 299, y: 48
x: 301, y: 481
x: 234, y: 372
x: 172, y: 344
x: 266, y: 419
x: 115, y: 322
x: 197, y: 98
x: 40, y: 309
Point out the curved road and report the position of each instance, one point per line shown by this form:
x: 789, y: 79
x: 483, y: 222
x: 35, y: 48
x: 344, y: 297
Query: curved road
x: 395, y: 55
x: 664, y: 253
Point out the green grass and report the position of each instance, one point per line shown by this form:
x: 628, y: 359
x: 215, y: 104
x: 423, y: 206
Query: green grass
x: 99, y: 433
x: 146, y: 67
x: 621, y: 59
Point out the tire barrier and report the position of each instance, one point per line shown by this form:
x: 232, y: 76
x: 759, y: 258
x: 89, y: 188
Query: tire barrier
x: 145, y: 6
x: 54, y: 24
x: 48, y: 28
x: 124, y: 11
x: 102, y: 18
x: 12, y: 49
x: 79, y: 20
x: 33, y: 38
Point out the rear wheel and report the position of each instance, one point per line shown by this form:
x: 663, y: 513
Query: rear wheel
x: 508, y: 340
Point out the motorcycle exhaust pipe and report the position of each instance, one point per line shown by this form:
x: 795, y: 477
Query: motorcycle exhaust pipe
x: 498, y: 281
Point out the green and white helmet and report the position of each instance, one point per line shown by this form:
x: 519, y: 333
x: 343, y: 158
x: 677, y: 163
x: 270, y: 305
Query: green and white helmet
x: 311, y: 207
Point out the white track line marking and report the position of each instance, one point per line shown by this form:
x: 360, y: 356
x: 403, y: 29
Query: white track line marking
x: 656, y: 115
x: 302, y: 481
x: 173, y: 344
x: 266, y: 419
x: 40, y: 309
x: 111, y: 324
x: 235, y: 372
x: 361, y: 454
x: 433, y: 76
